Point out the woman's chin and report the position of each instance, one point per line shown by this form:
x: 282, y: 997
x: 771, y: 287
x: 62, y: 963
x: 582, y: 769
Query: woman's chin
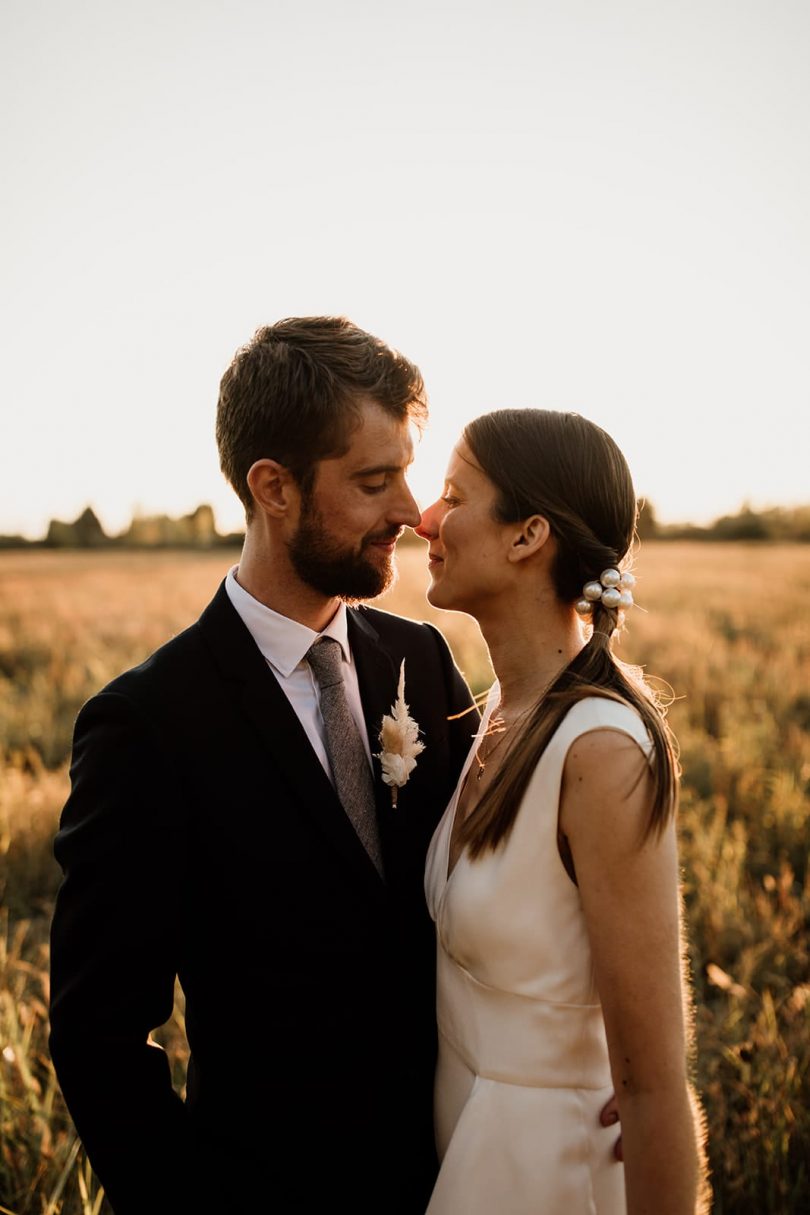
x: 434, y: 595
x: 439, y: 597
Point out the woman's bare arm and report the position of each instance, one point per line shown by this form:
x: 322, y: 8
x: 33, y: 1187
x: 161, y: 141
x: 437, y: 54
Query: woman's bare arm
x: 630, y: 897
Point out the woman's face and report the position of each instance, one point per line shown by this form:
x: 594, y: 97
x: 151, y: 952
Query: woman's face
x: 467, y: 546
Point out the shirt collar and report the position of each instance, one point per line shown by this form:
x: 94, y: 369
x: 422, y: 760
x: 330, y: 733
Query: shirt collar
x: 283, y: 642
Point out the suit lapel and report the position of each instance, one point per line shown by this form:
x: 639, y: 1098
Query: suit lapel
x: 258, y: 696
x: 377, y: 676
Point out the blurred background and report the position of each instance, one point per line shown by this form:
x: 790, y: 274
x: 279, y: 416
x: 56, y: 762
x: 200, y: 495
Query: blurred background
x: 591, y: 206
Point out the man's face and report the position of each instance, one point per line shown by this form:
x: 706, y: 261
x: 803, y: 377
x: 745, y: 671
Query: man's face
x: 349, y: 523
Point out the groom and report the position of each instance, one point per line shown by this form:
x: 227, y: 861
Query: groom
x: 228, y: 824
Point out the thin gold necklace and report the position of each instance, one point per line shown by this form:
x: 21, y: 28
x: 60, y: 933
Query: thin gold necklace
x: 503, y: 731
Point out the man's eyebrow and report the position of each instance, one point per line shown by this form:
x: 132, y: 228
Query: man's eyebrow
x: 378, y: 469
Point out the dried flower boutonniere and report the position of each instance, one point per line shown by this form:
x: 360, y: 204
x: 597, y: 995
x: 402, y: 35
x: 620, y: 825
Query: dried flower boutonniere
x: 399, y: 738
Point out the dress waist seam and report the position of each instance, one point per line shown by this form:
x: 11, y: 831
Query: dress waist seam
x: 589, y: 1006
x: 501, y: 1077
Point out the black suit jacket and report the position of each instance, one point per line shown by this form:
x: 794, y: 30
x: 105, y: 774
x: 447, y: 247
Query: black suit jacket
x: 203, y: 839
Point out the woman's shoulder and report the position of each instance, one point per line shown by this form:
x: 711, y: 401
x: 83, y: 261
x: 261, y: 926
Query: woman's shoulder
x: 593, y: 713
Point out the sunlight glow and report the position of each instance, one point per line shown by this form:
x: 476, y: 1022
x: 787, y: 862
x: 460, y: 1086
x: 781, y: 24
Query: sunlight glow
x: 591, y: 207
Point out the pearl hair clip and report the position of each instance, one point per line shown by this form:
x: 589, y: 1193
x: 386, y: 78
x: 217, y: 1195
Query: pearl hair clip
x: 614, y: 590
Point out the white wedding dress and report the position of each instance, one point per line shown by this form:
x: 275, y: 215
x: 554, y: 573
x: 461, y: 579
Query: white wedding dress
x: 523, y: 1068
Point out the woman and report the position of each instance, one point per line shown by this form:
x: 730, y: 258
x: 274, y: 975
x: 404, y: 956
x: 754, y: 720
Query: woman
x: 553, y: 876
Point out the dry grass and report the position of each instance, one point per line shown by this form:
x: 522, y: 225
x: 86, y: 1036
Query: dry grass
x: 726, y: 626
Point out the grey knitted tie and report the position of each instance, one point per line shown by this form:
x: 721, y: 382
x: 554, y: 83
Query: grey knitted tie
x: 344, y: 746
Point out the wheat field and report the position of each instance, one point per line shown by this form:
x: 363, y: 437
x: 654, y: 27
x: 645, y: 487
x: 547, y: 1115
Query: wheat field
x: 726, y: 626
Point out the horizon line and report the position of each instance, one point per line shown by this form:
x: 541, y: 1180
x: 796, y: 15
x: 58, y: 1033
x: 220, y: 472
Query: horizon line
x: 139, y: 521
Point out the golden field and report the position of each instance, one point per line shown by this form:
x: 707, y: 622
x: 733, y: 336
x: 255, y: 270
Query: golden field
x: 727, y: 626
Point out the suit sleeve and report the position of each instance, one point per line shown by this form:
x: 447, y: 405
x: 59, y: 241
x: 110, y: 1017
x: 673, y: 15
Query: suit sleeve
x: 115, y: 950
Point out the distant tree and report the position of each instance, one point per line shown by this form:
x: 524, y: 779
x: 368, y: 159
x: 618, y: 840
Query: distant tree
x: 746, y: 525
x: 647, y: 525
x: 197, y: 530
x: 89, y: 532
x: 201, y: 526
x: 788, y: 524
x: 84, y: 532
x: 15, y: 541
x: 148, y: 531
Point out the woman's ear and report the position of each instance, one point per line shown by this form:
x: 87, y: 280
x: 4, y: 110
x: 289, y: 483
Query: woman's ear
x: 534, y: 534
x: 273, y: 488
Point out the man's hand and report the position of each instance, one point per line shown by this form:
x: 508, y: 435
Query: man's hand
x: 609, y: 1117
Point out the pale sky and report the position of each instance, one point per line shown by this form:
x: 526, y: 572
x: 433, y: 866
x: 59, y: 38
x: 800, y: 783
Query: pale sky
x: 598, y: 205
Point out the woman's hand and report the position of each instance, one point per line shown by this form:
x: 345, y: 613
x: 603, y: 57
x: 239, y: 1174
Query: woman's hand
x: 610, y: 1117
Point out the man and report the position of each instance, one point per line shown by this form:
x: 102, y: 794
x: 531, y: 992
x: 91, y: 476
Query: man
x: 228, y: 824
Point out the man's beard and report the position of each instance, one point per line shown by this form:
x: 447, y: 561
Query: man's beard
x: 338, y: 572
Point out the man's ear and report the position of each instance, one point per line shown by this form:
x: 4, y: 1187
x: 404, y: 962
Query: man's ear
x: 273, y: 488
x: 534, y: 534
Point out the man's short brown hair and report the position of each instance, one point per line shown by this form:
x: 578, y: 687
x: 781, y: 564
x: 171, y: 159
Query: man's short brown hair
x: 293, y: 394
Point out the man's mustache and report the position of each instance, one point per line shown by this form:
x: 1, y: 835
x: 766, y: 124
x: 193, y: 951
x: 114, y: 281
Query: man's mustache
x: 383, y: 537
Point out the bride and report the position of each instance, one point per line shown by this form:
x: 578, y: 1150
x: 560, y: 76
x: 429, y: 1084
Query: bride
x: 553, y: 876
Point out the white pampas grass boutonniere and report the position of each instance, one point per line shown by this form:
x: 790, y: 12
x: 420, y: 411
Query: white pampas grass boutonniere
x: 399, y: 739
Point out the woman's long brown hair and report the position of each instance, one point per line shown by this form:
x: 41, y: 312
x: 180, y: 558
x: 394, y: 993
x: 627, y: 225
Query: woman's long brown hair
x: 565, y: 468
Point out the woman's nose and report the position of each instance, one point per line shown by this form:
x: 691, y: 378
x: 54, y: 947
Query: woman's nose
x: 427, y: 527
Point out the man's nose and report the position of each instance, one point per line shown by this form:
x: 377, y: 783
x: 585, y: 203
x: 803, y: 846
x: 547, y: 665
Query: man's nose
x: 407, y: 511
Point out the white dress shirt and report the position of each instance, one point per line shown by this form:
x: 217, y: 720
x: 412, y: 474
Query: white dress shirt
x: 284, y: 644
